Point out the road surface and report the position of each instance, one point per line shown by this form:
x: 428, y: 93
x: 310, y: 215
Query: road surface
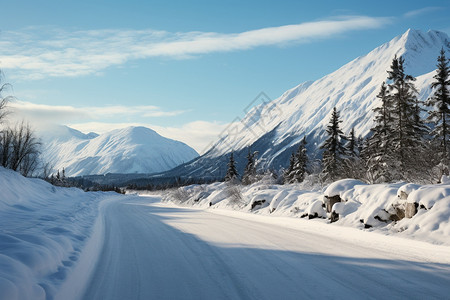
x: 157, y: 251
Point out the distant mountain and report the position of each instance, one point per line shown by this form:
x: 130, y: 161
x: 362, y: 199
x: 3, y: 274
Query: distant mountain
x: 128, y: 150
x: 275, y: 129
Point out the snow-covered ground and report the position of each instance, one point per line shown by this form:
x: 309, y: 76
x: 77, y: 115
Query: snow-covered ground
x: 160, y: 251
x: 368, y: 207
x: 44, y: 235
x: 59, y: 243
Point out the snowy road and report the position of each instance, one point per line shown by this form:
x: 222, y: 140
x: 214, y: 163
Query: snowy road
x: 156, y: 251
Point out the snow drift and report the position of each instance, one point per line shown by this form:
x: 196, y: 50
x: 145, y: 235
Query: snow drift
x: 43, y: 233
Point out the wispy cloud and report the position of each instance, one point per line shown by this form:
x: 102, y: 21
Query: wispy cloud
x: 421, y: 11
x: 42, y: 113
x: 37, y: 53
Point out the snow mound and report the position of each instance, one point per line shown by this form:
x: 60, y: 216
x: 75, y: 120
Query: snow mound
x: 43, y: 231
x: 406, y: 189
x: 316, y: 210
x: 428, y: 195
x: 340, y: 187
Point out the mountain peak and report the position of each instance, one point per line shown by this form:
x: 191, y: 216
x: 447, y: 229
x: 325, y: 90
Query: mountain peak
x: 421, y: 50
x: 134, y: 149
x: 276, y: 128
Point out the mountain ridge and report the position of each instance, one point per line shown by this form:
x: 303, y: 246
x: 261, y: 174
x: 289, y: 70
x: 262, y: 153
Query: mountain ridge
x: 127, y: 150
x: 274, y: 129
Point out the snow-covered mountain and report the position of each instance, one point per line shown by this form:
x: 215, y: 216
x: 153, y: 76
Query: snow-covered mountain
x: 274, y: 129
x: 128, y: 150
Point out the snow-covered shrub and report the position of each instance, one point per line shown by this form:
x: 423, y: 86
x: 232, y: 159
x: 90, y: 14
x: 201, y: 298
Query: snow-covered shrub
x: 178, y: 195
x: 234, y: 195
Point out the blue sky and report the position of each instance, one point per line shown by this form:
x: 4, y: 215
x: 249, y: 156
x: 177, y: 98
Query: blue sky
x: 184, y: 68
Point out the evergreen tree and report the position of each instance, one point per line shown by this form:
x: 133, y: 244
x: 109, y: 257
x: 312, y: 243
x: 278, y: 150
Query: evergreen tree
x: 352, y: 144
x: 250, y: 169
x: 360, y: 144
x: 290, y: 170
x: 232, y: 173
x: 297, y: 164
x: 439, y: 114
x: 353, y: 164
x: 376, y: 151
x: 407, y: 130
x: 300, y: 163
x: 334, y: 155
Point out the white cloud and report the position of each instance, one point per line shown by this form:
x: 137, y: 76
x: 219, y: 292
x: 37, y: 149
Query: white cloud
x: 421, y: 11
x: 41, y: 113
x: 37, y: 53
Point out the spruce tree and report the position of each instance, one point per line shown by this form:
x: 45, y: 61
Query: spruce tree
x: 334, y: 151
x: 288, y: 174
x: 377, y: 150
x: 232, y: 173
x: 353, y: 164
x: 406, y: 129
x: 352, y: 144
x: 360, y: 144
x: 250, y: 169
x: 300, y: 163
x: 439, y: 114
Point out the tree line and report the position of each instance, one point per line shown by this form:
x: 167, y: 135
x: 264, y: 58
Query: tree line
x: 401, y: 146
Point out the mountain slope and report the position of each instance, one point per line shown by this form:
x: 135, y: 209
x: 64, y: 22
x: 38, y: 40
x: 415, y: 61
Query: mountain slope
x: 275, y: 129
x: 128, y: 150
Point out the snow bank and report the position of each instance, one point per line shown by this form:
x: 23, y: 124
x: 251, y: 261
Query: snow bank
x: 43, y: 230
x: 374, y: 207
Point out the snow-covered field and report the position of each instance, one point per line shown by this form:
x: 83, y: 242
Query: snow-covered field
x: 60, y: 243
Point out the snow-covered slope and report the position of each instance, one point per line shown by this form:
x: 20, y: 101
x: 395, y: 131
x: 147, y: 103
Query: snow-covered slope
x: 275, y: 128
x: 43, y: 230
x: 128, y: 150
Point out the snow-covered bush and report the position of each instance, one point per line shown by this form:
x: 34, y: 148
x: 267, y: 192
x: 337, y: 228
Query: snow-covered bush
x: 177, y: 195
x: 234, y: 194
